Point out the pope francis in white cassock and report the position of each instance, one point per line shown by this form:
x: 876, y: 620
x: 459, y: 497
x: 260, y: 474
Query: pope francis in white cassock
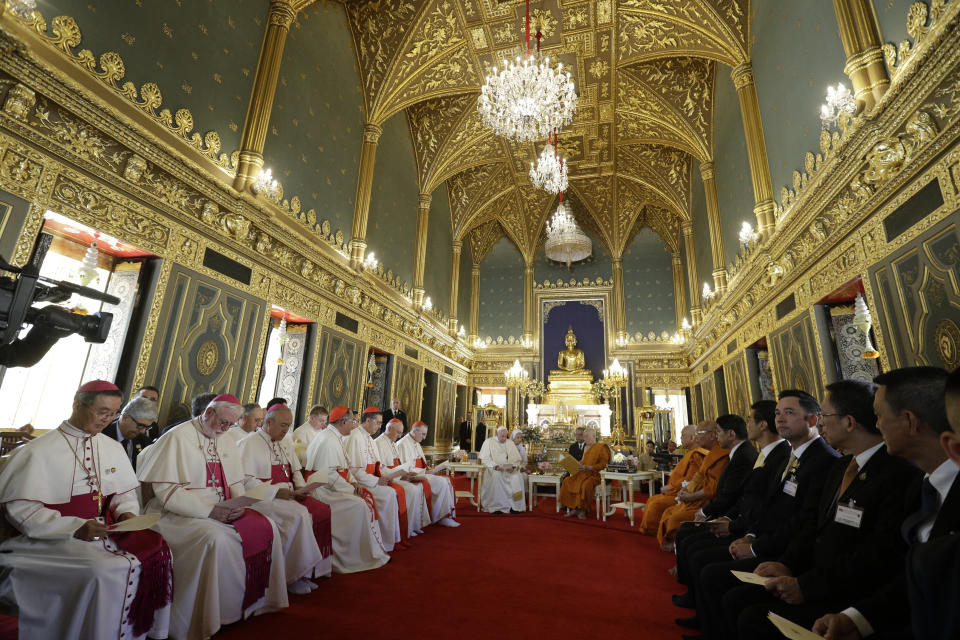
x: 66, y: 574
x: 228, y: 560
x: 371, y: 472
x: 437, y: 489
x: 357, y: 545
x: 502, y: 486
x: 266, y: 457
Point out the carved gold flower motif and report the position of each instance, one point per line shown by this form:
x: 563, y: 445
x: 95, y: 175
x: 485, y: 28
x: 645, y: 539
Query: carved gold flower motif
x: 207, y: 357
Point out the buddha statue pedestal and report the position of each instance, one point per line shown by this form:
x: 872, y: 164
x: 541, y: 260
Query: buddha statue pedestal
x: 569, y: 387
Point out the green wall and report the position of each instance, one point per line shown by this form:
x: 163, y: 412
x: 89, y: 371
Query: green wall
x: 392, y: 225
x: 701, y: 229
x: 501, y: 291
x: 648, y: 285
x: 892, y: 15
x: 202, y: 55
x: 796, y: 54
x: 436, y: 276
x: 313, y: 146
x: 731, y: 168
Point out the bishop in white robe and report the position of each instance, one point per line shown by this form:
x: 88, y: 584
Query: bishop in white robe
x: 501, y: 489
x: 438, y: 489
x: 357, y: 545
x: 418, y: 511
x: 227, y: 560
x: 266, y: 457
x: 250, y: 421
x: 66, y: 574
x: 305, y: 433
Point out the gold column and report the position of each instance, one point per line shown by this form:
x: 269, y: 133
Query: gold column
x: 756, y: 148
x: 678, y: 293
x: 619, y: 302
x: 420, y: 258
x: 257, y: 121
x: 361, y: 202
x: 528, y: 310
x: 474, y: 305
x: 860, y: 33
x: 687, y: 227
x: 716, y: 233
x: 456, y: 246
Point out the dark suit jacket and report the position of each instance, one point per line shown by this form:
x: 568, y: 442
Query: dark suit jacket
x: 112, y: 430
x: 464, y: 435
x: 576, y: 450
x: 835, y: 562
x: 783, y: 515
x: 747, y: 509
x: 933, y: 581
x: 732, y: 480
x: 887, y: 609
x: 388, y: 415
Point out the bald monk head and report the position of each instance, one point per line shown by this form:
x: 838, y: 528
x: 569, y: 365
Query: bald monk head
x: 686, y: 436
x: 590, y: 436
x: 706, y: 435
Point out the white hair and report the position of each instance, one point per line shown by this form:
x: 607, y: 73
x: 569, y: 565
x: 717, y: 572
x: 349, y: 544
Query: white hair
x: 499, y: 429
x: 513, y: 434
x: 223, y: 404
x: 141, y: 408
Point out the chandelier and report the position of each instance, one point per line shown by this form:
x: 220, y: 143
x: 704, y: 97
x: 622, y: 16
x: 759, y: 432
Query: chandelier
x: 550, y: 172
x: 565, y: 241
x: 528, y: 99
x: 840, y: 103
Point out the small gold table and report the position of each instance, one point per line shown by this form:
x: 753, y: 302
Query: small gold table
x: 472, y: 471
x: 533, y: 480
x: 603, y: 497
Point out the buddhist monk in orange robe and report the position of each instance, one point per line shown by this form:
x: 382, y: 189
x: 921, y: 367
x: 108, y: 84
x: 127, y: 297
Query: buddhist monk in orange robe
x: 577, y: 491
x: 683, y: 472
x: 701, y: 488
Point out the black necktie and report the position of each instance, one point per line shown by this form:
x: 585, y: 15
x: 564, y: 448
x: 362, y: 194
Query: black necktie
x: 929, y: 503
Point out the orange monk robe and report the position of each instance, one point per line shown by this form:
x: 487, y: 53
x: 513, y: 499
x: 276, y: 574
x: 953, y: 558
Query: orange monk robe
x: 656, y: 505
x: 706, y: 479
x: 577, y: 491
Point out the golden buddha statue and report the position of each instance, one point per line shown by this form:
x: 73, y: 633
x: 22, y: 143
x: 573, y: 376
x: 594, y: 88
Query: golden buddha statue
x: 571, y: 359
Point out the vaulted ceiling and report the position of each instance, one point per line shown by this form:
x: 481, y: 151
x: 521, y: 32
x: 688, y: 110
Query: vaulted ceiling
x: 644, y: 71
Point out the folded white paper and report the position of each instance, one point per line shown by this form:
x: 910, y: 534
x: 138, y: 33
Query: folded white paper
x: 749, y: 578
x: 791, y: 629
x: 136, y: 523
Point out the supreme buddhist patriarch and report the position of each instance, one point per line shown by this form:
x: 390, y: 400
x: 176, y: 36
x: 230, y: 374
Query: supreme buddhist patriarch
x: 576, y: 492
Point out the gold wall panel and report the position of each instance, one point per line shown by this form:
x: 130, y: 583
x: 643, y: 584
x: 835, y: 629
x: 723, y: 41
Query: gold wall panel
x: 795, y: 357
x: 408, y: 387
x: 709, y: 398
x: 446, y: 408
x: 738, y: 386
x: 341, y: 368
x: 207, y: 340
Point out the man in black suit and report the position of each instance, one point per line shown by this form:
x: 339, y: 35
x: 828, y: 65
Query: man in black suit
x: 394, y: 413
x: 464, y: 435
x: 479, y: 435
x: 911, y: 415
x: 792, y: 499
x: 732, y: 436
x: 576, y: 449
x: 834, y: 558
x: 130, y: 427
x: 699, y: 546
x: 150, y: 393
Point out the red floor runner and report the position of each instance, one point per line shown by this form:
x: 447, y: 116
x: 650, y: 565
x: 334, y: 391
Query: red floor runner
x: 496, y: 575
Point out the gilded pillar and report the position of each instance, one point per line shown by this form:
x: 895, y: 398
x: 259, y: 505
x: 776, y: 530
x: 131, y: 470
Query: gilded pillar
x: 678, y: 292
x: 528, y: 310
x: 474, y: 305
x: 361, y: 202
x: 456, y: 246
x: 756, y: 148
x: 257, y: 121
x: 420, y: 258
x: 619, y: 302
x: 687, y: 227
x: 716, y: 233
x: 860, y: 33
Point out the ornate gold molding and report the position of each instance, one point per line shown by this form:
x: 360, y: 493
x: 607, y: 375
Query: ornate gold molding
x: 860, y: 34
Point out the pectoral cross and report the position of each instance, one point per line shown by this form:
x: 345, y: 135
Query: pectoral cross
x: 99, y: 498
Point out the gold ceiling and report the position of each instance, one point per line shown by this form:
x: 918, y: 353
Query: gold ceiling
x: 645, y: 74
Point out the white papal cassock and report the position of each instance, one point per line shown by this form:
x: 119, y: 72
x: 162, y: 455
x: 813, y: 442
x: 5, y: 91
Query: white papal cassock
x: 302, y: 436
x: 365, y: 466
x: 267, y: 461
x: 501, y: 490
x: 356, y: 534
x: 64, y: 587
x: 218, y: 571
x: 417, y: 505
x: 439, y: 489
x: 233, y: 435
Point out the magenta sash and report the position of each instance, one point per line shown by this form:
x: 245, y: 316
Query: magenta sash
x: 280, y: 474
x: 155, y: 589
x: 320, y: 513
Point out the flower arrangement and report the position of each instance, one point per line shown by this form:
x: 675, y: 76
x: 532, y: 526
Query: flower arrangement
x: 534, y: 389
x: 460, y: 455
x: 531, y: 435
x: 544, y: 466
x: 601, y: 390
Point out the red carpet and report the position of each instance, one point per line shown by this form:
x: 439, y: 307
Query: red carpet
x: 496, y: 575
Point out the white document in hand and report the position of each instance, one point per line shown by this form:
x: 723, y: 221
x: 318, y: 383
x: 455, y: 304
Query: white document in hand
x: 440, y: 467
x: 263, y: 491
x: 136, y: 523
x: 791, y: 629
x: 749, y: 578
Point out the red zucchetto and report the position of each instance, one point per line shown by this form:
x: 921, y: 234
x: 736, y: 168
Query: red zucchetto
x: 226, y: 397
x: 97, y: 386
x: 337, y: 413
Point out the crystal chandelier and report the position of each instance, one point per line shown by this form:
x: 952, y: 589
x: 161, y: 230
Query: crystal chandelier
x: 565, y: 241
x: 839, y: 102
x: 550, y: 171
x: 528, y: 99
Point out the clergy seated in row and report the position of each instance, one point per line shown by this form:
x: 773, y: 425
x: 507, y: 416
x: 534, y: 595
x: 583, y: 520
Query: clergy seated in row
x: 501, y: 489
x: 250, y: 420
x: 267, y: 457
x: 228, y: 558
x: 577, y: 491
x: 366, y: 467
x: 303, y: 435
x: 437, y: 489
x: 66, y: 575
x: 721, y: 437
x: 357, y: 544
x: 412, y: 485
x: 679, y: 477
